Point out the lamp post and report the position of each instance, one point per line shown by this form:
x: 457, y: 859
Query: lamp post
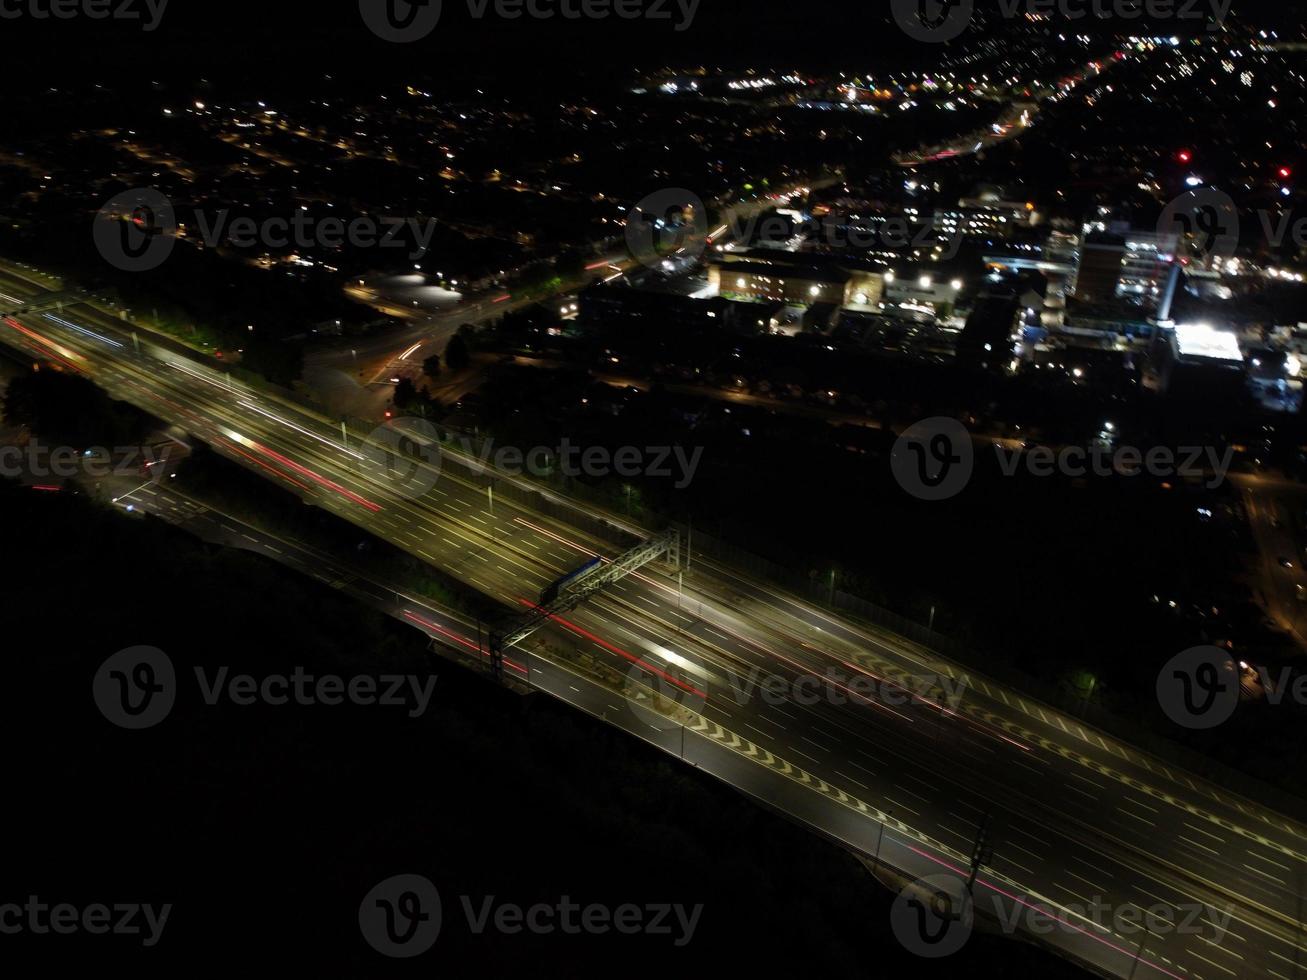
x: 1139, y: 952
x: 875, y: 864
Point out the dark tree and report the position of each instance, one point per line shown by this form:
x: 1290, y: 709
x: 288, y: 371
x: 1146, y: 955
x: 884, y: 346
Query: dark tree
x: 406, y: 394
x: 70, y: 410
x: 457, y: 354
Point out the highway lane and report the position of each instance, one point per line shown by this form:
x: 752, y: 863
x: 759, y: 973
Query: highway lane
x: 992, y: 702
x: 501, y: 566
x: 600, y: 702
x: 782, y: 790
x: 784, y: 741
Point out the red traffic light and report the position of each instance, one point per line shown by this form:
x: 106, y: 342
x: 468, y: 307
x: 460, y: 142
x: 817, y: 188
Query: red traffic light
x: 1286, y: 172
x: 1184, y: 156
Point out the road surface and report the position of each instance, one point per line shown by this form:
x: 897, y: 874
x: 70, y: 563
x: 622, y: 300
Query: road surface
x: 1079, y: 817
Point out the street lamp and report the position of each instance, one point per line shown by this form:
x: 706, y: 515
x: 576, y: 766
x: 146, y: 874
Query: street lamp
x: 875, y: 864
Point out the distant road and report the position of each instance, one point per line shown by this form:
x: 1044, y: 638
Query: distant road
x: 1018, y: 117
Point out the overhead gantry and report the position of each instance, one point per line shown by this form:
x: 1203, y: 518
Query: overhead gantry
x: 576, y: 587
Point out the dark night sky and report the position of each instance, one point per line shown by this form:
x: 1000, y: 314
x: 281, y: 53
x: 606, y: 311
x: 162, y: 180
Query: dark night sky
x: 286, y: 42
x: 293, y: 37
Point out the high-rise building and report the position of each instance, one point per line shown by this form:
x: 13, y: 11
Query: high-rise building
x: 1130, y: 267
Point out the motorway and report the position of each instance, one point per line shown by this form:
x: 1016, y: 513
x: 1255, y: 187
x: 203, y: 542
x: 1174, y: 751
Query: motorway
x: 1077, y: 816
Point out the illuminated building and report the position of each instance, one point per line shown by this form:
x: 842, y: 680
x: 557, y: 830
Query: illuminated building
x: 1131, y: 267
x: 799, y: 285
x: 1197, y: 362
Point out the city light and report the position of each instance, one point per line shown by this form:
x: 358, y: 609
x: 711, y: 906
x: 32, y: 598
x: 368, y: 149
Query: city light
x: 1204, y: 340
x: 926, y: 472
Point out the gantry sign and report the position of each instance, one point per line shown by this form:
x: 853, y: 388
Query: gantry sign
x: 50, y: 301
x: 576, y: 587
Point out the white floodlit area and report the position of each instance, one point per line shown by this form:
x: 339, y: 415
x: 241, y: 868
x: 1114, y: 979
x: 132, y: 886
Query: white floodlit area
x: 1204, y: 340
x: 416, y: 289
